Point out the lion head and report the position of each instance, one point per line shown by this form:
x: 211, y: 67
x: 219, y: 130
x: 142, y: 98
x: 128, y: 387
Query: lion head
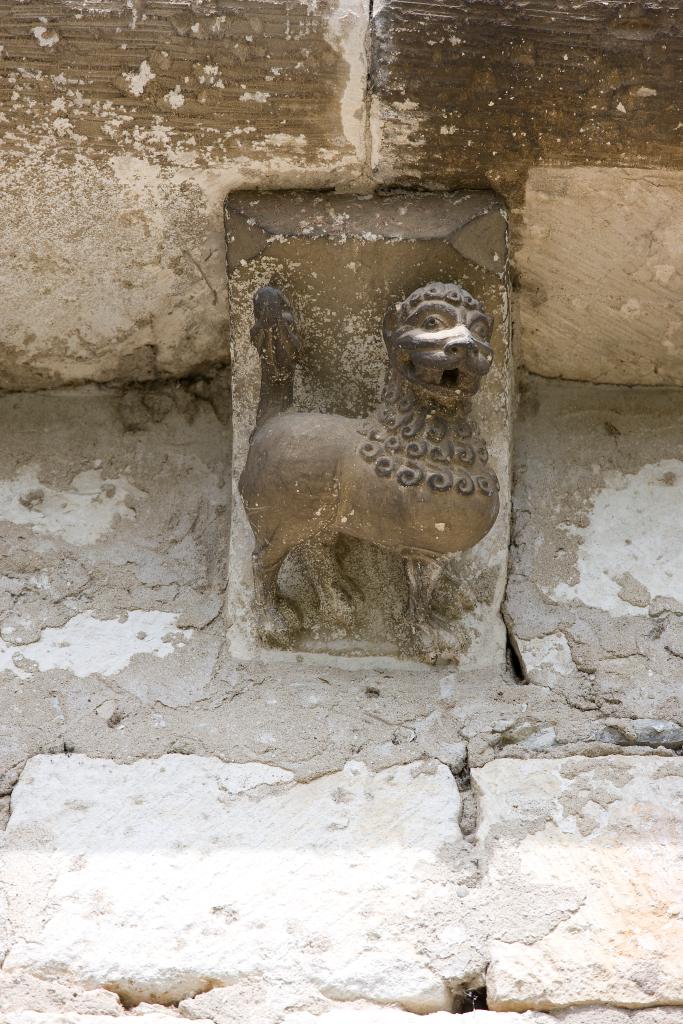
x: 438, y: 342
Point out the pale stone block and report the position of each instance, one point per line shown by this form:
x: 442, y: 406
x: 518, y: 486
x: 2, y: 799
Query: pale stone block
x: 601, y: 265
x: 151, y: 1016
x: 166, y: 878
x: 357, y: 1014
x: 583, y: 867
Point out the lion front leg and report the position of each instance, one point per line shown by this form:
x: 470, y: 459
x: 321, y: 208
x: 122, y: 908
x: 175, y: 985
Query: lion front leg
x: 424, y: 636
x: 276, y: 621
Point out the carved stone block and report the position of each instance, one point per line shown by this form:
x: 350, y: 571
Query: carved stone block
x: 339, y: 278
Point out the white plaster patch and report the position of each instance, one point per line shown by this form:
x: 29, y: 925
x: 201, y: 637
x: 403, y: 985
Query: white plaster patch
x: 175, y: 98
x: 152, y: 877
x: 635, y: 527
x: 44, y: 36
x: 547, y: 652
x: 347, y: 30
x: 86, y: 645
x: 138, y: 80
x: 81, y: 515
x: 283, y: 139
x: 255, y: 97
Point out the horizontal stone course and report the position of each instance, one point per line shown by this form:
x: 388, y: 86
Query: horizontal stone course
x: 153, y: 1015
x: 229, y: 79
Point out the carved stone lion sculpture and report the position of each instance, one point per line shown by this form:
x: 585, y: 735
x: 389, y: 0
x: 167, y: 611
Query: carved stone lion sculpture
x: 413, y: 477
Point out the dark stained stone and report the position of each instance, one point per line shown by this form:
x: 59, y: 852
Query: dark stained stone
x: 473, y: 92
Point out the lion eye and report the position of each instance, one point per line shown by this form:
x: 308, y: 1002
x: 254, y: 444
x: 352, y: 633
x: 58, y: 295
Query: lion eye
x: 432, y: 322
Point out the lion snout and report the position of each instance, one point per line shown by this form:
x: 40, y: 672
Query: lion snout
x: 460, y: 345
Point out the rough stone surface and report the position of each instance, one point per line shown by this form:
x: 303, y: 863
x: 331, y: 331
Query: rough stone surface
x: 154, y: 515
x: 473, y: 93
x: 588, y: 1015
x: 602, y: 305
x: 225, y: 80
x: 27, y: 994
x: 124, y: 126
x: 167, y: 449
x: 365, y: 1014
x: 596, y: 842
x: 114, y: 512
x: 169, y: 877
x: 594, y: 596
x: 341, y: 260
x: 153, y: 1015
x: 151, y: 233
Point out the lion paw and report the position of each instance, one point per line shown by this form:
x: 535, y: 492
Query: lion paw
x: 426, y: 642
x: 337, y: 607
x: 277, y: 625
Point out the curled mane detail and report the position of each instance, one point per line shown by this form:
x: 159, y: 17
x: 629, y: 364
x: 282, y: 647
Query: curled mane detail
x: 415, y: 447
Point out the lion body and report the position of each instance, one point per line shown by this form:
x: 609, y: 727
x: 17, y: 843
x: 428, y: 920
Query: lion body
x: 305, y: 479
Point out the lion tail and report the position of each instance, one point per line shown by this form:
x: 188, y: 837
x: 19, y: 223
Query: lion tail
x: 276, y: 339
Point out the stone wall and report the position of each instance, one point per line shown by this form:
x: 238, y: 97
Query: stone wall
x: 190, y: 834
x: 125, y: 124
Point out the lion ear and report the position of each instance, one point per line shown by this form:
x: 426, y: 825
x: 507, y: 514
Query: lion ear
x: 391, y: 320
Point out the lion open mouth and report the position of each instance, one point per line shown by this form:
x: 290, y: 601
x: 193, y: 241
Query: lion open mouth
x: 434, y: 376
x: 450, y: 378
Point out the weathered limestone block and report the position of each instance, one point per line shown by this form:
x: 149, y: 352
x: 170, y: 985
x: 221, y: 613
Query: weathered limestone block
x: 601, y: 265
x: 358, y: 1014
x: 583, y: 868
x: 153, y: 1015
x: 124, y: 126
x: 113, y: 544
x: 229, y: 79
x: 164, y: 878
x: 473, y: 92
x: 24, y: 992
x: 616, y: 1015
x: 112, y: 272
x: 341, y: 261
x: 595, y: 594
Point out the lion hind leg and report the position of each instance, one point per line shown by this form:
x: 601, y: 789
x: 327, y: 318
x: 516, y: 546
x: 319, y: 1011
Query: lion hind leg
x: 323, y: 570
